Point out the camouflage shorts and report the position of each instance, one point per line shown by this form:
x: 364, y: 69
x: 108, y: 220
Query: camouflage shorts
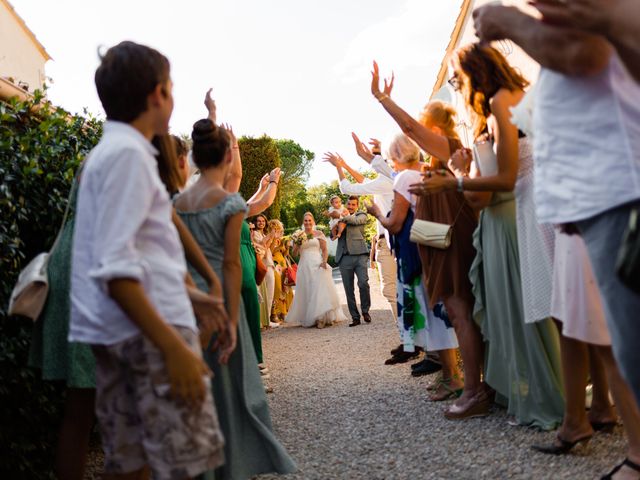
x: 141, y: 424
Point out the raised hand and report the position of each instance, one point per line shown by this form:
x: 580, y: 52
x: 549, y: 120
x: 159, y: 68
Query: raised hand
x: 376, y: 146
x: 375, y: 83
x: 233, y: 141
x: 361, y: 149
x: 210, y: 103
x: 334, y: 159
x: 592, y: 15
x: 488, y: 21
x: 274, y: 175
x: 264, y: 181
x: 372, y: 209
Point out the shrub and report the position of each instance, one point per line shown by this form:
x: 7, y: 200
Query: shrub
x: 39, y: 155
x: 259, y: 156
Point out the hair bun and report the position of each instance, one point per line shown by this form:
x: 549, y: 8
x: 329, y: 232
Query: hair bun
x: 203, y: 132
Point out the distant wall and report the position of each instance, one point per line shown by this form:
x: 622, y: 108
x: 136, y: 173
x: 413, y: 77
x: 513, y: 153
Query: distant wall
x: 20, y: 57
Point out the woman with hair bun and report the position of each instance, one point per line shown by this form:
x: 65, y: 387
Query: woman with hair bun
x: 215, y: 218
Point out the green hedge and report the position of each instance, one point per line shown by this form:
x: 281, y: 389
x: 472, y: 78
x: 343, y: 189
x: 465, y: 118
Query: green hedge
x: 39, y: 155
x: 259, y: 156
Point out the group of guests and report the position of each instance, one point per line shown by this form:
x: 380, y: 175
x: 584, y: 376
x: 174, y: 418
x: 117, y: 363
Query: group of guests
x: 527, y: 290
x: 153, y: 317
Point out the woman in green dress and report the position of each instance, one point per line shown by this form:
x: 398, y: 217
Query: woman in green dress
x: 215, y: 217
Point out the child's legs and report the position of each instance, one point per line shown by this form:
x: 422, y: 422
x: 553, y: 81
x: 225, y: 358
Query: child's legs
x: 141, y: 424
x: 340, y: 228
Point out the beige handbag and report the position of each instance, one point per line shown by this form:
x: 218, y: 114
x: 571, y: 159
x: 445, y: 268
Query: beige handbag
x: 431, y: 234
x: 29, y: 295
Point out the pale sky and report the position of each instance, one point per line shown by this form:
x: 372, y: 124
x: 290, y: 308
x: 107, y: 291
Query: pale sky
x: 297, y: 69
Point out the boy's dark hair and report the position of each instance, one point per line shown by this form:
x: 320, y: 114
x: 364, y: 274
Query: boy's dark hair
x: 355, y: 197
x: 127, y: 74
x: 210, y: 144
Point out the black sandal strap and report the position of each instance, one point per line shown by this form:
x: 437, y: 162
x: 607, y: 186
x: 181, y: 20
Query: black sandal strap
x: 631, y: 465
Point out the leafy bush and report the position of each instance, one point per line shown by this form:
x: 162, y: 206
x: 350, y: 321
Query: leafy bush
x: 259, y: 156
x: 40, y: 150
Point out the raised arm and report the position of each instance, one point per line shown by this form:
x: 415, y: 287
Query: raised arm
x: 338, y: 162
x: 566, y: 50
x: 260, y: 203
x: 234, y: 175
x: 430, y: 142
x: 358, y: 218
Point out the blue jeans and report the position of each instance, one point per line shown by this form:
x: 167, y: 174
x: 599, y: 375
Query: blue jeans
x: 603, y: 235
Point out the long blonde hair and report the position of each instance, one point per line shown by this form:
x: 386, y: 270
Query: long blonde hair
x: 439, y: 114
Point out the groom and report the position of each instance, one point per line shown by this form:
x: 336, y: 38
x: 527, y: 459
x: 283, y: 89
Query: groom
x: 352, y: 256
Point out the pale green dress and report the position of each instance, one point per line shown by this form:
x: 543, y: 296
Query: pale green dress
x: 251, y: 447
x: 522, y: 361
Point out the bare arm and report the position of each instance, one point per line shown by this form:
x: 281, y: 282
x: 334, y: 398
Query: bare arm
x: 232, y: 270
x: 393, y: 223
x: 566, y: 50
x: 358, y: 177
x: 264, y: 201
x: 185, y: 368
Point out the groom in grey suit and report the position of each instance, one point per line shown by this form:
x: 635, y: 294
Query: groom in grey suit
x: 352, y: 257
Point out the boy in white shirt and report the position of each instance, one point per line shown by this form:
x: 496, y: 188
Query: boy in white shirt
x: 129, y: 296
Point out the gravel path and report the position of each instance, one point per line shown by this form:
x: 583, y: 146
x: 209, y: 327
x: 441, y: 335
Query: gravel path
x: 342, y: 414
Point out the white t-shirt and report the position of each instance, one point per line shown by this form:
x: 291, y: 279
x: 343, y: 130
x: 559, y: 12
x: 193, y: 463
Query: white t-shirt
x: 403, y: 181
x: 123, y: 229
x: 586, y: 144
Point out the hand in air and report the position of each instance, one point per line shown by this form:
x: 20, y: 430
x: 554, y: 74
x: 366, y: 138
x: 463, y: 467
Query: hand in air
x: 375, y: 83
x: 233, y: 141
x: 210, y: 103
x: 334, y: 159
x: 361, y: 149
x: 274, y: 175
x: 593, y: 15
x: 264, y: 181
x: 488, y: 21
x: 376, y: 146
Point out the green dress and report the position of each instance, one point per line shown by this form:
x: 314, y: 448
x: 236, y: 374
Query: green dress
x: 522, y: 361
x: 50, y: 351
x: 250, y: 289
x: 251, y: 447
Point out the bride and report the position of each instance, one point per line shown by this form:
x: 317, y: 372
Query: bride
x: 316, y: 301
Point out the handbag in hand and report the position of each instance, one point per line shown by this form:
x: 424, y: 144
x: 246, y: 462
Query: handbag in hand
x: 29, y: 294
x: 290, y: 273
x: 628, y: 262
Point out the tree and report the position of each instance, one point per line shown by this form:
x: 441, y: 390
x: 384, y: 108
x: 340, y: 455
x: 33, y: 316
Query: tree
x: 259, y: 156
x: 296, y: 163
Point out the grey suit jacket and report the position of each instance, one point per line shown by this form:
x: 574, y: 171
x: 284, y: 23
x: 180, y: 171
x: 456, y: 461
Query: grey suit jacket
x: 352, y: 241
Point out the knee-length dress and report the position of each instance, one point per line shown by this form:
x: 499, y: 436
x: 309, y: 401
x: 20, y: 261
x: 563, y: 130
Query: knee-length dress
x: 251, y: 447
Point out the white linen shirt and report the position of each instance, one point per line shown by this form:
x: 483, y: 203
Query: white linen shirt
x: 586, y: 144
x: 381, y: 166
x: 380, y: 187
x: 123, y: 229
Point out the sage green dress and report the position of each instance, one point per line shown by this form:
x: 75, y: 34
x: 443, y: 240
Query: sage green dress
x: 251, y: 447
x: 522, y: 361
x: 50, y: 351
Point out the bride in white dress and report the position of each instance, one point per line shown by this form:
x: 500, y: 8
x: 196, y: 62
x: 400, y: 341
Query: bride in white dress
x: 316, y: 301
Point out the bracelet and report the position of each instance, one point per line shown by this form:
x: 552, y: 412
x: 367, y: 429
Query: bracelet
x: 273, y: 181
x: 382, y: 97
x: 460, y: 184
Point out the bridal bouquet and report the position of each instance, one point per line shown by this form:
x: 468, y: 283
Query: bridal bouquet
x: 300, y: 237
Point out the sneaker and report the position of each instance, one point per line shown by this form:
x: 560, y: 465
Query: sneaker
x: 273, y: 325
x: 268, y: 389
x: 262, y: 366
x: 264, y: 375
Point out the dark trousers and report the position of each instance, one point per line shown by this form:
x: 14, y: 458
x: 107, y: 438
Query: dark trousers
x: 358, y: 265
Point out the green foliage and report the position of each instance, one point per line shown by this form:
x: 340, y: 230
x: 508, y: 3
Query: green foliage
x: 296, y: 164
x: 259, y: 156
x: 39, y: 155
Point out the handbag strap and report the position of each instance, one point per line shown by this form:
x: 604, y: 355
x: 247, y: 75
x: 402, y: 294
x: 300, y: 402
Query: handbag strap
x: 74, y: 188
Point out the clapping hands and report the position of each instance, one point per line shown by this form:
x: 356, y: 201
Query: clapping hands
x: 363, y: 151
x: 334, y: 159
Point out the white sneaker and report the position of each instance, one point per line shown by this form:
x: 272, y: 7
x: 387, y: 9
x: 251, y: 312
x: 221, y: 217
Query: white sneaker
x: 262, y: 366
x: 265, y: 376
x: 273, y: 325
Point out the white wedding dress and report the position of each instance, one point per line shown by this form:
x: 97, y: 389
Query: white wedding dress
x: 316, y: 302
